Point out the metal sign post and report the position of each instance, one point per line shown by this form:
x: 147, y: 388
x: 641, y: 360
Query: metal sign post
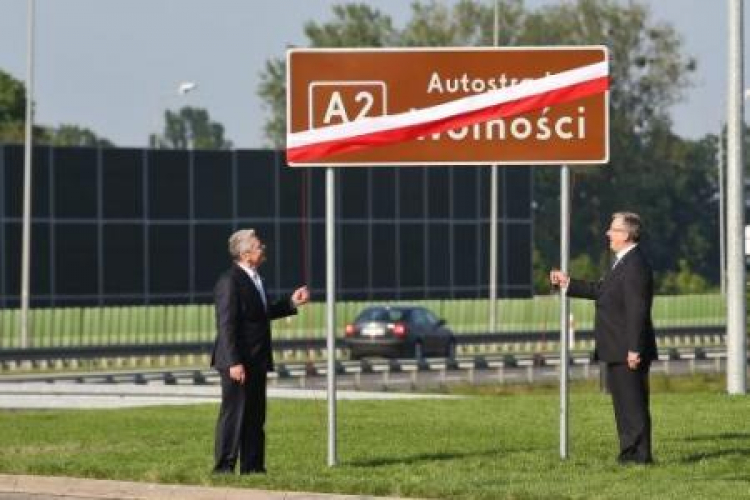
x: 331, y: 311
x: 564, y: 306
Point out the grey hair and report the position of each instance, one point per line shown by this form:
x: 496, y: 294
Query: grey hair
x: 632, y: 222
x: 241, y: 241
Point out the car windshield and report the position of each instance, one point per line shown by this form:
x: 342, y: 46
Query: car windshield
x: 382, y: 314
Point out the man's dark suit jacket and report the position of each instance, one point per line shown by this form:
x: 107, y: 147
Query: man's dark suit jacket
x: 243, y: 324
x: 623, y: 309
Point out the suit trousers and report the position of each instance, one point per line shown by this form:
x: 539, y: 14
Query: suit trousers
x: 630, y: 398
x: 240, y: 427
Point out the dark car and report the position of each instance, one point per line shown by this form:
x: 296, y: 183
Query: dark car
x: 399, y: 332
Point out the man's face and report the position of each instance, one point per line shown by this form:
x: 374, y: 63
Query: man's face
x: 256, y: 255
x: 618, y: 235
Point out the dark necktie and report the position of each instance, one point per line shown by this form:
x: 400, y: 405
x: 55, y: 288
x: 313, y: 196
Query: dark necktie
x: 259, y: 285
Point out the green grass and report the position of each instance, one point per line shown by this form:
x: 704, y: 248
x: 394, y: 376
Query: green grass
x: 189, y: 323
x: 492, y: 446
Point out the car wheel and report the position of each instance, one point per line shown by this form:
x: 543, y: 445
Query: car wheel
x: 450, y: 350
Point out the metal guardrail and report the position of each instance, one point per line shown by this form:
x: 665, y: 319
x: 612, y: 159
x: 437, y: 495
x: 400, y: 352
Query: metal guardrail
x: 199, y: 348
x: 382, y: 368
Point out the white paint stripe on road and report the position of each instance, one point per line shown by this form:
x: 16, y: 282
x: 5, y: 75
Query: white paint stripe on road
x: 33, y: 395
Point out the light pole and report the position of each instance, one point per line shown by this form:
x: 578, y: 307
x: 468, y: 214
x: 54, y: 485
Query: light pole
x: 494, y: 174
x: 720, y: 161
x: 186, y: 87
x: 722, y: 211
x: 182, y: 89
x: 736, y: 287
x: 25, y: 330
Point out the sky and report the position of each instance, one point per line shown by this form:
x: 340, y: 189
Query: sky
x: 114, y: 65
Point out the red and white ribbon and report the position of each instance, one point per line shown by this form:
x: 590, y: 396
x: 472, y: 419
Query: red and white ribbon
x: 530, y: 95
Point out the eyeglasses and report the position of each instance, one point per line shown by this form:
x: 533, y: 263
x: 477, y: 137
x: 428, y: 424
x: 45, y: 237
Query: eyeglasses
x: 256, y: 248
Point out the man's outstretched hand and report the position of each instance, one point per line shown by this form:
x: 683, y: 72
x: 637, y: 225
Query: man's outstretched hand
x: 559, y: 278
x: 300, y: 296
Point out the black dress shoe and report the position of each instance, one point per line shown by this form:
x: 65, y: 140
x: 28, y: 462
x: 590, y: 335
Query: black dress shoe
x: 253, y: 471
x: 634, y: 461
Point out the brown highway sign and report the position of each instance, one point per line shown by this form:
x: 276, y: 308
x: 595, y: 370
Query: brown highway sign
x: 447, y: 106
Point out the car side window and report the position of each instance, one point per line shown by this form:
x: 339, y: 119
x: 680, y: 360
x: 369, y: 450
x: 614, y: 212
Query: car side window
x: 431, y: 318
x: 419, y: 318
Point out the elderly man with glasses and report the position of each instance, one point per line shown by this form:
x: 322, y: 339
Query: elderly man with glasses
x: 624, y: 333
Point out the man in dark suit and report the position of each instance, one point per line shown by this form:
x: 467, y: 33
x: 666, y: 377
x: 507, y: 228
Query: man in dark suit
x: 624, y: 333
x: 242, y: 354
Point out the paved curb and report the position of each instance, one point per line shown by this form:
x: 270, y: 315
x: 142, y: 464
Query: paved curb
x: 35, y: 395
x: 62, y: 487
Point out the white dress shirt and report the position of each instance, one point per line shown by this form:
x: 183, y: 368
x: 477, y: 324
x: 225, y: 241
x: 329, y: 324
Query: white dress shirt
x: 619, y: 255
x: 255, y: 277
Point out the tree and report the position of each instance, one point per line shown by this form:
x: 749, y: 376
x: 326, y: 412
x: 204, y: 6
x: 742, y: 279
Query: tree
x: 669, y: 181
x: 12, y: 99
x: 272, y: 90
x: 469, y: 23
x: 648, y: 70
x: 190, y: 128
x: 683, y: 281
x: 12, y: 108
x: 649, y: 73
x: 73, y: 135
x: 13, y: 119
x: 664, y: 178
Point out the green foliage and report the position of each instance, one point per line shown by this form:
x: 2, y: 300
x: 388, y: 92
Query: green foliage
x: 647, y: 68
x: 670, y: 182
x: 73, y: 135
x: 12, y: 99
x: 489, y: 447
x: 11, y: 133
x: 354, y: 25
x: 540, y: 272
x: 272, y: 90
x: 190, y: 128
x: 583, y: 267
x: 467, y: 24
x: 12, y: 109
x: 683, y: 281
x: 13, y: 118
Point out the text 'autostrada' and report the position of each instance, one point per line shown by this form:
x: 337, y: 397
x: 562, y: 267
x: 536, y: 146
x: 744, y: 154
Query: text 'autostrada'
x: 542, y: 127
